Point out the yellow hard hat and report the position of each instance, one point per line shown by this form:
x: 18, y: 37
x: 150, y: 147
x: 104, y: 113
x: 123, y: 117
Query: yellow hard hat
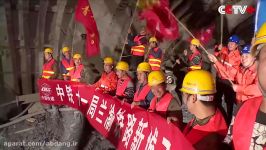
x: 199, y: 82
x: 260, y: 38
x: 153, y: 39
x: 195, y: 42
x: 48, y: 50
x: 144, y: 66
x: 156, y: 78
x: 108, y: 60
x: 122, y: 65
x: 65, y: 49
x: 77, y: 56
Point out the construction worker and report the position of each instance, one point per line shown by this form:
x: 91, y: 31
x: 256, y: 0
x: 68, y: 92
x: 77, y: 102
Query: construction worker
x: 49, y: 69
x: 125, y: 86
x: 195, y: 58
x: 248, y: 126
x: 75, y: 74
x: 66, y: 63
x: 163, y: 102
x: 246, y: 79
x: 208, y: 127
x: 143, y: 95
x: 138, y: 49
x: 155, y: 54
x: 108, y: 81
x: 230, y: 59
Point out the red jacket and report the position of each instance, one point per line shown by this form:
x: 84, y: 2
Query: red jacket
x: 216, y: 124
x: 75, y: 74
x: 247, y: 84
x: 140, y: 39
x: 244, y: 123
x: 155, y: 58
x: 68, y: 66
x: 229, y: 64
x: 122, y: 85
x: 192, y: 56
x: 246, y: 81
x: 107, y: 82
x: 47, y: 69
x: 141, y: 95
x: 161, y: 106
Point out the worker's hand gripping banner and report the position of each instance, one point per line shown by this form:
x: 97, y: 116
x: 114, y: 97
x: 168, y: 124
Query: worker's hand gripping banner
x: 126, y: 128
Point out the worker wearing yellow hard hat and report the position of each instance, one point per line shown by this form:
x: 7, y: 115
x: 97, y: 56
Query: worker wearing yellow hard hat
x: 125, y: 86
x: 246, y: 124
x: 66, y: 64
x: 192, y: 57
x: 108, y: 81
x: 195, y: 58
x: 164, y: 103
x: 198, y: 95
x: 49, y: 69
x: 75, y: 73
x: 155, y: 54
x: 143, y: 95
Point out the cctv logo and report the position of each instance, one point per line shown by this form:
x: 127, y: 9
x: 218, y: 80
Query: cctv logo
x: 236, y: 9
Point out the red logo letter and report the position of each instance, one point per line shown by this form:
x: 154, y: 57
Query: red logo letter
x: 228, y: 9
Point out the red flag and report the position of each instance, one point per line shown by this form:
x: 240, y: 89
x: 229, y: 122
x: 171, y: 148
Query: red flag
x: 160, y: 20
x: 84, y: 15
x: 205, y: 35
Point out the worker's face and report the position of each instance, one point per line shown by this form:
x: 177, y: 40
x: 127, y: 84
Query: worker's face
x: 120, y: 73
x: 142, y: 77
x: 158, y: 90
x: 247, y: 60
x: 192, y: 48
x: 152, y: 44
x: 77, y: 62
x: 189, y: 101
x: 66, y: 54
x: 108, y: 67
x: 262, y: 69
x: 232, y: 46
x: 47, y: 56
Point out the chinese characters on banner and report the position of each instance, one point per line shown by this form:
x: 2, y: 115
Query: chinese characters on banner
x: 124, y: 127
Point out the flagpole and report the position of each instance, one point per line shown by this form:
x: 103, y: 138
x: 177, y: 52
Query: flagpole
x: 131, y: 22
x: 222, y: 24
x: 256, y: 18
x: 72, y: 46
x: 222, y: 30
x: 204, y: 49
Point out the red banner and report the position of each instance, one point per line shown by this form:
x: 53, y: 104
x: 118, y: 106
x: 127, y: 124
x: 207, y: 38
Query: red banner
x: 124, y: 127
x: 84, y: 15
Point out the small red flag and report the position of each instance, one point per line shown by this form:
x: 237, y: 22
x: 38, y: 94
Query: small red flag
x: 84, y: 15
x: 205, y: 35
x: 160, y: 20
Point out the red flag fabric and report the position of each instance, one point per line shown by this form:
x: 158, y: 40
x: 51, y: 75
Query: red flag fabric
x: 205, y: 35
x: 160, y: 20
x: 84, y: 15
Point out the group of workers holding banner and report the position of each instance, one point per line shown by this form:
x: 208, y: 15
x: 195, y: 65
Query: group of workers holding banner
x: 240, y: 80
